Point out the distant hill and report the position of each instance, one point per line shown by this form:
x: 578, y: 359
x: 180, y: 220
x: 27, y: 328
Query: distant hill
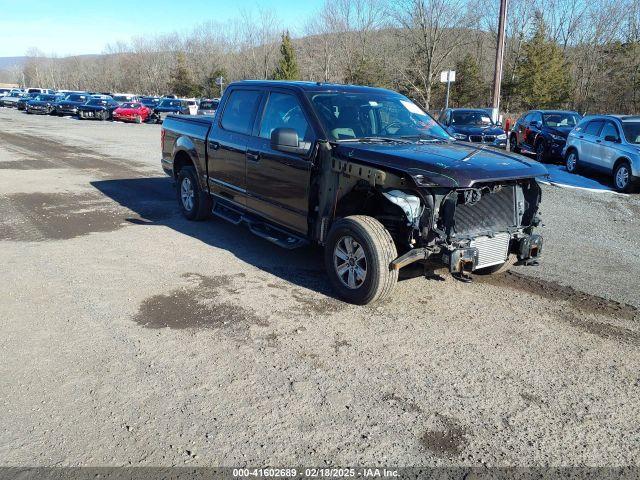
x: 8, y: 62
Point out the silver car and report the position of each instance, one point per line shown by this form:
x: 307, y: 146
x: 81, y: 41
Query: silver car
x: 607, y: 143
x: 208, y: 106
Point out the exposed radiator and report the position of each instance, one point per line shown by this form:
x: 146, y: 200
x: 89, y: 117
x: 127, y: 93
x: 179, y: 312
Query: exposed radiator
x: 491, y: 250
x: 494, y: 212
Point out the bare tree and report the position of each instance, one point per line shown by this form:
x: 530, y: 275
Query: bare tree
x: 430, y: 29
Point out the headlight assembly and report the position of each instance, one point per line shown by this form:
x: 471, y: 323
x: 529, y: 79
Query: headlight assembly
x: 558, y: 138
x: 502, y: 136
x: 460, y: 136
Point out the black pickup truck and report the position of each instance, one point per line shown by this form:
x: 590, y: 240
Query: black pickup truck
x: 361, y: 171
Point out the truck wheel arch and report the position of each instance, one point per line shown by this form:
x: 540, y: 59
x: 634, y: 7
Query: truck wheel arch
x: 181, y: 159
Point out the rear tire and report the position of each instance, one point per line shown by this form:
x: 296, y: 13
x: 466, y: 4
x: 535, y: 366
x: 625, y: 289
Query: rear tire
x: 194, y: 202
x: 138, y: 119
x: 358, y: 254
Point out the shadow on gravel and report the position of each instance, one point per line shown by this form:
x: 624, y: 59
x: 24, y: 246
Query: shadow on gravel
x: 153, y: 200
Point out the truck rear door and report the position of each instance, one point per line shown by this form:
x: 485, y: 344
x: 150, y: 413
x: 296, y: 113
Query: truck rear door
x: 277, y: 181
x: 227, y: 144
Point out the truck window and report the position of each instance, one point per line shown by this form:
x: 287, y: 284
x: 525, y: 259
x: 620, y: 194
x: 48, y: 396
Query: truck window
x: 284, y: 111
x: 239, y: 110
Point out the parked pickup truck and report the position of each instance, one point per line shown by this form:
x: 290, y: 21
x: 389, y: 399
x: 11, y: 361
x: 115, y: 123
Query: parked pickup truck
x: 361, y: 171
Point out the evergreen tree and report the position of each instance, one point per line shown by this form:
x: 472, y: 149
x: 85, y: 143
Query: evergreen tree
x: 287, y: 65
x: 469, y: 90
x: 366, y: 73
x: 211, y: 88
x: 543, y: 79
x: 180, y: 80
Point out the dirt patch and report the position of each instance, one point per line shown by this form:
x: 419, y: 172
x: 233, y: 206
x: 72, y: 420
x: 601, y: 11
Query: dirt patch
x: 533, y: 399
x: 199, y: 306
x: 56, y: 216
x: 574, y: 306
x: 27, y: 164
x: 580, y: 301
x: 405, y: 404
x: 448, y: 441
x: 59, y: 216
x: 52, y: 154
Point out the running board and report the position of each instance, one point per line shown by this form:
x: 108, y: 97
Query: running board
x: 226, y: 213
x: 275, y: 235
x: 261, y: 229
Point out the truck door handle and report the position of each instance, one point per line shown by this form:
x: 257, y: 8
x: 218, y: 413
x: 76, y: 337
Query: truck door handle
x: 598, y: 141
x: 580, y: 136
x: 253, y: 156
x: 214, y: 145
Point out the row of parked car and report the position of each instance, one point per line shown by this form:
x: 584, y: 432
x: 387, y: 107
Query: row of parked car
x: 103, y: 106
x: 608, y: 144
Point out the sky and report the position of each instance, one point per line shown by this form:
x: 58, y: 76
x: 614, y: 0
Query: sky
x: 73, y: 27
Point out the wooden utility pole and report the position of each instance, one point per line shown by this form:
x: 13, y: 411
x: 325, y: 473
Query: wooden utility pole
x: 497, y: 74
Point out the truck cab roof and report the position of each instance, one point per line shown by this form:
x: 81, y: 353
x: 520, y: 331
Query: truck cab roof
x: 313, y: 86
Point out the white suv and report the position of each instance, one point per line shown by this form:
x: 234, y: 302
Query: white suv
x: 608, y: 143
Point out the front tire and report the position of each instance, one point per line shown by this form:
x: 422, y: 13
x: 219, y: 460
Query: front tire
x: 541, y: 151
x: 358, y: 254
x: 571, y: 161
x: 194, y: 203
x: 513, y: 144
x: 622, y: 179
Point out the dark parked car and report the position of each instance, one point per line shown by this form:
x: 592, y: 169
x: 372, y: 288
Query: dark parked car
x: 150, y: 102
x: 70, y: 104
x: 98, y: 109
x: 543, y: 132
x: 473, y: 125
x: 361, y: 171
x: 43, y: 104
x: 170, y: 105
x: 21, y: 104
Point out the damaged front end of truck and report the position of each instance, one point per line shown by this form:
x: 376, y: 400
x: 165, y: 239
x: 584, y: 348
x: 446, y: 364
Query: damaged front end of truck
x: 468, y: 223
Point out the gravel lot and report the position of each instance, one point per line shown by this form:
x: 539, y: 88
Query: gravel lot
x: 133, y: 337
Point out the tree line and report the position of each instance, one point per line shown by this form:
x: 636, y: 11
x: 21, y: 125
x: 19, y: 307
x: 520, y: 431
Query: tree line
x: 559, y: 54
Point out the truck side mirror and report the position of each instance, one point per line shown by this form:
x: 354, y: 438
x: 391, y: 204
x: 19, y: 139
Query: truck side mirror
x: 285, y: 140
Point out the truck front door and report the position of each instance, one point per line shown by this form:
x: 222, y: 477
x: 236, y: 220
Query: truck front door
x: 278, y: 182
x: 227, y: 145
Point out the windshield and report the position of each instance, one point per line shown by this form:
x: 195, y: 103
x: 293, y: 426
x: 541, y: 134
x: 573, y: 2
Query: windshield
x: 478, y: 118
x: 97, y: 101
x: 122, y: 98
x: 208, y: 105
x: 130, y: 105
x: 631, y: 131
x: 78, y: 98
x: 360, y: 115
x: 150, y: 101
x: 169, y: 103
x: 561, y: 119
x: 44, y: 98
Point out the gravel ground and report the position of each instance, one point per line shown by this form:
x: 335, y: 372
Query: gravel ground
x: 133, y: 337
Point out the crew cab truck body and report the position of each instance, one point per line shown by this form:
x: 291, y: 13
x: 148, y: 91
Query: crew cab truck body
x: 361, y: 171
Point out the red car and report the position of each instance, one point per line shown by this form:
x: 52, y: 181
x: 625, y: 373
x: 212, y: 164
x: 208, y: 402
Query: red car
x: 132, y: 112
